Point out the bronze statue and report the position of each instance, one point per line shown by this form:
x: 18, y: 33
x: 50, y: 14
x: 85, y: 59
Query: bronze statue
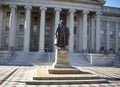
x: 62, y: 36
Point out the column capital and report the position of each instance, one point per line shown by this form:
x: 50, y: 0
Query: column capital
x: 43, y: 8
x: 72, y: 10
x: 28, y: 7
x: 98, y: 13
x: 58, y: 9
x: 13, y: 6
x: 85, y: 12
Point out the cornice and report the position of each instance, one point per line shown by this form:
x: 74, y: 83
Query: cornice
x: 67, y: 4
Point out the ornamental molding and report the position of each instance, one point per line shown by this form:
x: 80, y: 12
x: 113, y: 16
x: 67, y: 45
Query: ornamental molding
x: 63, y: 4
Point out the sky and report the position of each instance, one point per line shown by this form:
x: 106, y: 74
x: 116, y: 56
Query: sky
x: 112, y: 3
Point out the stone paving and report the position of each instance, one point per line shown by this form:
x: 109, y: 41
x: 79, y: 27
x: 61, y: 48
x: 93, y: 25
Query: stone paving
x: 20, y: 74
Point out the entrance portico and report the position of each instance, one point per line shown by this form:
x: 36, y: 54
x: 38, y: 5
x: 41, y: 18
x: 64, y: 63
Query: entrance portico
x: 41, y: 21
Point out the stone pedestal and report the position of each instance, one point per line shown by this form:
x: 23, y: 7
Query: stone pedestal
x: 61, y: 59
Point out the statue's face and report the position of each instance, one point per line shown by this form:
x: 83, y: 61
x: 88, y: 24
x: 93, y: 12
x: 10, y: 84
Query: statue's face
x: 61, y: 22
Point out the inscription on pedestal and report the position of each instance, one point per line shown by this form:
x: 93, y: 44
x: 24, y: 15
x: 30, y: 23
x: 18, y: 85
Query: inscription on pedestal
x: 62, y: 59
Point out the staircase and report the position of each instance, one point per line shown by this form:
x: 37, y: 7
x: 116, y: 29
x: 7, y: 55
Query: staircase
x: 36, y: 58
x: 78, y: 59
x: 117, y: 61
x: 29, y: 58
x: 42, y: 76
x: 5, y: 56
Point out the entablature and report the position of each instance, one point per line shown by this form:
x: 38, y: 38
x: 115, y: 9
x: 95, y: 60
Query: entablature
x: 91, y: 5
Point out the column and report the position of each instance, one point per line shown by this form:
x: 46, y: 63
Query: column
x: 116, y: 37
x: 42, y: 29
x: 98, y: 31
x: 108, y: 36
x: 27, y: 28
x: 57, y: 20
x: 12, y: 28
x: 1, y: 21
x: 93, y: 32
x: 85, y: 13
x: 71, y: 29
x: 80, y: 33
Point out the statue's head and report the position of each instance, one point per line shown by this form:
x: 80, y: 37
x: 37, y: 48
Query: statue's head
x: 61, y: 22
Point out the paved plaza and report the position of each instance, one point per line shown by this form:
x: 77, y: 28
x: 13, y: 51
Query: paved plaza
x: 15, y: 76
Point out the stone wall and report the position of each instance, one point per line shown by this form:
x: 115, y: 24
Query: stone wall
x: 100, y: 59
x: 4, y: 56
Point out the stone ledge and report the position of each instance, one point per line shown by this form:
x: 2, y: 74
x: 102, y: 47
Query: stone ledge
x: 63, y: 71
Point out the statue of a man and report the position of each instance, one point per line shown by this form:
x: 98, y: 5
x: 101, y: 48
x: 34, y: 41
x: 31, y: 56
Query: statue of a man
x: 62, y: 36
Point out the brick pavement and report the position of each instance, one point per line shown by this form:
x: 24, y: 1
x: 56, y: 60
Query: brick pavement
x: 18, y: 78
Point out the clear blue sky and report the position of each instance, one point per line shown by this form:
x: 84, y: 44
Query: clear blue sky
x: 113, y: 3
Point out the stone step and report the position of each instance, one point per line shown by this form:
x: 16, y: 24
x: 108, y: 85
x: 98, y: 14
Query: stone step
x: 117, y: 64
x: 30, y: 58
x: 67, y: 77
x: 59, y: 82
x: 64, y: 71
x: 40, y: 76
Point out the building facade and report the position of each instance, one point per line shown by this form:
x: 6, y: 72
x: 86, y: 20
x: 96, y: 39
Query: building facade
x: 30, y: 25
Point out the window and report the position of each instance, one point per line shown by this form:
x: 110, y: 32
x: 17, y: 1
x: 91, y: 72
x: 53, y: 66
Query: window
x: 21, y: 27
x: 6, y: 42
x: 8, y: 14
x: 22, y: 14
x: 103, y: 23
x: 75, y: 18
x: 119, y: 35
x: 75, y: 30
x: 102, y: 33
x: 111, y: 34
x: 112, y: 25
x: 35, y: 19
x: 35, y: 29
x: 20, y: 42
x: 7, y: 26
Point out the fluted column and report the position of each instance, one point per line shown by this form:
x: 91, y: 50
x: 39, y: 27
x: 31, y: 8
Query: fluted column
x: 57, y: 20
x: 80, y: 33
x: 12, y: 27
x: 108, y: 36
x: 27, y: 28
x: 42, y: 29
x: 98, y: 31
x: 93, y: 32
x: 1, y: 21
x: 116, y: 37
x: 71, y: 27
x: 85, y: 13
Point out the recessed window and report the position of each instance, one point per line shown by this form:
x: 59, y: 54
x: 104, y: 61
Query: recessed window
x: 75, y: 29
x: 22, y: 14
x: 35, y: 29
x: 6, y: 42
x: 103, y: 23
x: 111, y: 34
x: 21, y: 27
x: 102, y: 33
x: 36, y: 19
x: 112, y: 25
x: 7, y: 26
x: 20, y: 42
x: 119, y: 35
x: 8, y: 14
